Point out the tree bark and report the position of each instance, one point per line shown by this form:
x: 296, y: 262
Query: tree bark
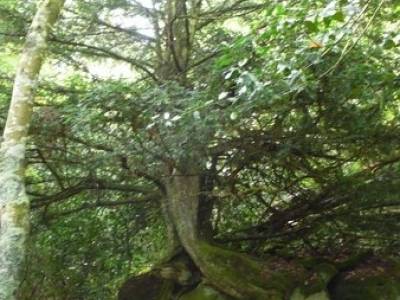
x: 14, y: 203
x: 220, y: 267
x: 185, y: 189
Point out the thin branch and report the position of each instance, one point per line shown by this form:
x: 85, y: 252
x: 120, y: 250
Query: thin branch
x: 347, y: 49
x: 103, y: 203
x: 108, y: 53
x: 130, y: 31
x: 52, y: 170
x: 85, y: 185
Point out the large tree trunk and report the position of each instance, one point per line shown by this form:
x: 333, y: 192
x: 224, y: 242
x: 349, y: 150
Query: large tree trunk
x: 222, y: 268
x: 14, y: 204
x: 184, y: 190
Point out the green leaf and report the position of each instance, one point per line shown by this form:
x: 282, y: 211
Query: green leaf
x: 338, y: 16
x: 311, y: 26
x: 389, y: 44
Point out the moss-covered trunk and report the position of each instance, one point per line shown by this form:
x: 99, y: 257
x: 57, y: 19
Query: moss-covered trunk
x: 222, y: 268
x: 14, y: 204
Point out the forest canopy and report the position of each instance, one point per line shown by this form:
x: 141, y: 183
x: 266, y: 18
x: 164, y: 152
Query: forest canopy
x: 219, y: 133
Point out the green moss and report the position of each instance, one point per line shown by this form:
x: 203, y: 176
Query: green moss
x: 321, y: 276
x: 146, y: 287
x: 395, y: 263
x: 241, y: 263
x: 20, y: 214
x: 353, y: 260
x: 241, y: 274
x: 166, y: 290
x: 372, y: 288
x: 284, y: 281
x: 298, y: 295
x: 204, y: 292
x: 263, y: 279
x: 312, y: 262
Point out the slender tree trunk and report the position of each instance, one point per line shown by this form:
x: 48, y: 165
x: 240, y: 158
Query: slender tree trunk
x: 14, y: 204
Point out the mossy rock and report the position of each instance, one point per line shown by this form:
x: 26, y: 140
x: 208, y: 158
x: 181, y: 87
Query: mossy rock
x: 371, y: 288
x: 278, y: 277
x: 298, y: 295
x: 314, y: 287
x: 236, y: 270
x: 374, y: 278
x: 204, y: 292
x: 146, y: 287
x: 320, y: 277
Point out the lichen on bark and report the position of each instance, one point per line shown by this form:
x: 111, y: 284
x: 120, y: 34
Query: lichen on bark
x: 14, y: 203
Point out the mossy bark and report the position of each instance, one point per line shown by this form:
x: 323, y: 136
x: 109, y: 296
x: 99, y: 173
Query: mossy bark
x: 14, y: 204
x: 221, y: 268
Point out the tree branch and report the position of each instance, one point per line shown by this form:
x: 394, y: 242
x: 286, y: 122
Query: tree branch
x: 108, y: 53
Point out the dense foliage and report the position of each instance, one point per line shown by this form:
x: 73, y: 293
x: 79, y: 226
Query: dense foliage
x: 288, y: 110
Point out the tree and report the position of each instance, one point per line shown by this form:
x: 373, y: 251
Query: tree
x: 265, y: 128
x: 14, y: 204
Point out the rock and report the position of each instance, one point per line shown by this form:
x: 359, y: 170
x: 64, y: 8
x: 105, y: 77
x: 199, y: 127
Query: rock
x: 146, y: 287
x: 298, y: 295
x: 372, y: 279
x: 314, y: 287
x: 371, y: 288
x: 204, y: 292
x: 322, y: 275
